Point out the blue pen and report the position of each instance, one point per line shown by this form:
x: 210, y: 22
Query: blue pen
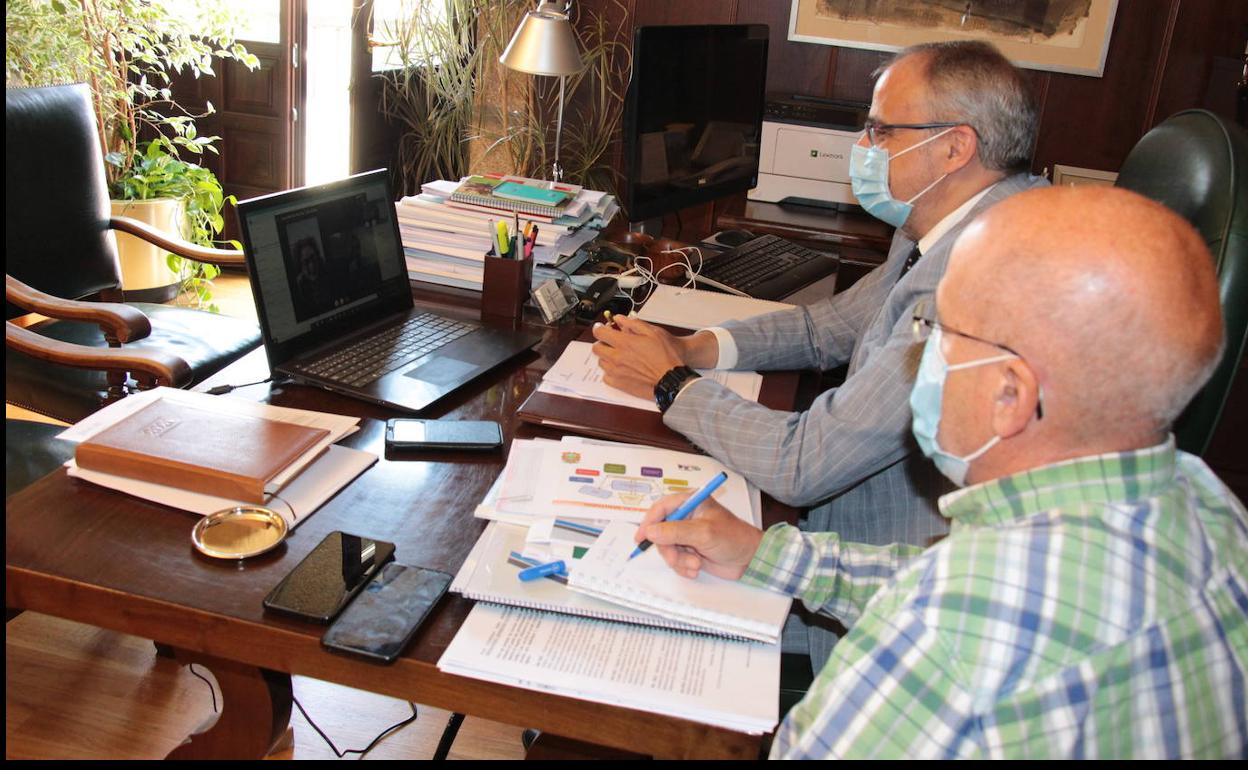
x: 542, y: 570
x: 687, y: 508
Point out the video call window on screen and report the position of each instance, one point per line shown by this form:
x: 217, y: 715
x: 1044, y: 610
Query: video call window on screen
x: 331, y: 255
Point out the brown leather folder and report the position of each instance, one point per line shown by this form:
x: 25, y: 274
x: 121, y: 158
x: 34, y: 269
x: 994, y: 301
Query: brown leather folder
x: 199, y: 450
x: 636, y: 426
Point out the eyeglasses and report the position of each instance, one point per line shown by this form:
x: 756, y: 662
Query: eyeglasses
x: 877, y: 132
x: 923, y: 324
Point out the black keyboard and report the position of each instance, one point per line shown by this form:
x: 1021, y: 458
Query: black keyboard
x: 367, y: 360
x: 768, y: 267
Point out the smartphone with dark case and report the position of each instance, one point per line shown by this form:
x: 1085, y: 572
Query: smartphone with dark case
x: 322, y: 584
x: 404, y: 433
x: 387, y: 613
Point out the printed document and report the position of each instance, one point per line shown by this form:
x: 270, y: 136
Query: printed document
x: 706, y: 679
x: 646, y: 583
x: 577, y: 375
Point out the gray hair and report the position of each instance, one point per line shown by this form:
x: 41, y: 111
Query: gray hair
x: 970, y: 81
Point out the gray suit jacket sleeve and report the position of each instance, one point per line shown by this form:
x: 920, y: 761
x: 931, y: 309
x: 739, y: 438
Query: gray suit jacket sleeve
x: 803, y: 457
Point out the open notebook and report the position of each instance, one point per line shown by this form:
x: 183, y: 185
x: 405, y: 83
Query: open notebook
x: 489, y: 574
x: 647, y: 584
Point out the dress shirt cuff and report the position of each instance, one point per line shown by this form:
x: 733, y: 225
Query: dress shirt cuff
x: 728, y: 354
x: 781, y: 558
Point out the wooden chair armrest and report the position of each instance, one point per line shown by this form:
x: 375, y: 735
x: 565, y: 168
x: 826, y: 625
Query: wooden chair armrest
x: 177, y: 245
x: 165, y: 368
x: 120, y: 323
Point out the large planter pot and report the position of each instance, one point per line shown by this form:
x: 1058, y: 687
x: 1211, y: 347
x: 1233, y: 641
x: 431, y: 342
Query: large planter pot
x: 145, y: 276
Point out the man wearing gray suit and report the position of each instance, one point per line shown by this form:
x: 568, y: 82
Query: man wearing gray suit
x: 950, y: 133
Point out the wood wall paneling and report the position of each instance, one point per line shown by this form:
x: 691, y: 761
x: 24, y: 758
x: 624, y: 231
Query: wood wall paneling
x: 1205, y: 59
x: 646, y: 12
x: 792, y: 68
x: 1093, y: 122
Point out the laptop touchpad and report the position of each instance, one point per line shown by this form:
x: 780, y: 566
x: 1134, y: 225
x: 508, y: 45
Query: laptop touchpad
x: 443, y: 371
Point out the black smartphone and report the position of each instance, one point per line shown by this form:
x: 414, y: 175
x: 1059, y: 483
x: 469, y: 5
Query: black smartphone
x: 387, y: 614
x: 443, y: 434
x: 322, y: 584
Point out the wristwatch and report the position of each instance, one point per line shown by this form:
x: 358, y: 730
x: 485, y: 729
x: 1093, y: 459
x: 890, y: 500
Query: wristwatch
x: 670, y: 385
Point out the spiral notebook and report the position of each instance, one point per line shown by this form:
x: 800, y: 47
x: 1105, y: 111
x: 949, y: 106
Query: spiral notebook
x: 490, y: 574
x: 646, y: 584
x: 546, y: 199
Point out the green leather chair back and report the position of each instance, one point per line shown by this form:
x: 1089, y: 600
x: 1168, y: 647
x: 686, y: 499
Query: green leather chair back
x: 1196, y: 163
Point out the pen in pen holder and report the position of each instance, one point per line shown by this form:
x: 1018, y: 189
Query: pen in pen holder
x: 506, y: 285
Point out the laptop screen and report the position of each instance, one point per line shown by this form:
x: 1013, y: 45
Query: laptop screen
x: 324, y: 261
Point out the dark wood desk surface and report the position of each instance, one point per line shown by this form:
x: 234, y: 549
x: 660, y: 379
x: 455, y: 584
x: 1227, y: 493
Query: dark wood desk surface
x: 95, y: 556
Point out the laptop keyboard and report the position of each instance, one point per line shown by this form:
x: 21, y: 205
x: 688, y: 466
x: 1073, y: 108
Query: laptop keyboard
x: 769, y: 267
x: 390, y: 349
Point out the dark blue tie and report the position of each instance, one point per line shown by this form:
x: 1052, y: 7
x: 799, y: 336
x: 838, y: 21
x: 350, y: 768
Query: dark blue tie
x: 911, y: 259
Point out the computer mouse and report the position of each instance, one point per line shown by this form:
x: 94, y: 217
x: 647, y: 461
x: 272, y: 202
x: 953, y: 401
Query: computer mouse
x: 733, y: 238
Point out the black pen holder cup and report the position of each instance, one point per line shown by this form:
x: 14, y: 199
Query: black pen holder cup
x: 505, y: 287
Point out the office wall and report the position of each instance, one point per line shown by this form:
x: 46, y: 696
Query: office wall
x: 1164, y: 56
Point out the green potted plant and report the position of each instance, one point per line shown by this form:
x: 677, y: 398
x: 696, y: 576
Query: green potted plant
x: 461, y: 111
x: 127, y: 51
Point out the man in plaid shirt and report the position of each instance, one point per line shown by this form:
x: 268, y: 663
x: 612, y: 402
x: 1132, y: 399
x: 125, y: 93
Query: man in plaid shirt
x: 1091, y: 599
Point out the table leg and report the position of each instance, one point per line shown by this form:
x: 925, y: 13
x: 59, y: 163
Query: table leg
x: 255, y: 711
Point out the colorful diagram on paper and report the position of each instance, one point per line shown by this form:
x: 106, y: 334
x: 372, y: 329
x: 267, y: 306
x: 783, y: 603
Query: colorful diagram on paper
x: 621, y: 486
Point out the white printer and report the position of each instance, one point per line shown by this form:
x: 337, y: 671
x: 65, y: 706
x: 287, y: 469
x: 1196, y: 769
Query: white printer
x: 805, y: 150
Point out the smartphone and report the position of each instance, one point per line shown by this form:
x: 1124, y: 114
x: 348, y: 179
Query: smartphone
x: 443, y: 434
x: 322, y: 584
x: 386, y: 615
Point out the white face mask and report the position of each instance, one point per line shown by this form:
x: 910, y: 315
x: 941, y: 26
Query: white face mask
x: 925, y: 405
x: 868, y: 178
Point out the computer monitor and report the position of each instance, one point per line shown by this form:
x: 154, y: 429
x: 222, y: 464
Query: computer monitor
x: 693, y: 115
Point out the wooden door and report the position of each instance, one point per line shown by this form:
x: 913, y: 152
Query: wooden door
x: 257, y: 112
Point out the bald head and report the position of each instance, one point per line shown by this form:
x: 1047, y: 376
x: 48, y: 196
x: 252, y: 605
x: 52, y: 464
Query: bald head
x: 1110, y: 297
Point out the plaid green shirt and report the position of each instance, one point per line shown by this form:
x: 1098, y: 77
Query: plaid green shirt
x: 1092, y: 608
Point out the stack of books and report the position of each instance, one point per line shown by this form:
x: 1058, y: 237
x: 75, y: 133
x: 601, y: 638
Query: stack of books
x: 447, y: 229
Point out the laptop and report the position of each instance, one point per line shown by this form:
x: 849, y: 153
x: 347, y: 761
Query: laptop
x: 334, y: 303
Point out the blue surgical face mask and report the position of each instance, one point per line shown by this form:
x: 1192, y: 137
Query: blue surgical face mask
x: 925, y: 404
x: 868, y: 177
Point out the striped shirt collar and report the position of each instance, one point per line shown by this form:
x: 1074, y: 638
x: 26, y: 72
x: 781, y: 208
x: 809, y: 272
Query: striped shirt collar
x: 1097, y: 479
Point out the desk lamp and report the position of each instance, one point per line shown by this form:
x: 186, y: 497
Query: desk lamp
x: 544, y: 44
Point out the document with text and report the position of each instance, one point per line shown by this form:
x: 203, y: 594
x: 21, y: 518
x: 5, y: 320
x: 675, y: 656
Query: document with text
x: 577, y: 375
x: 706, y: 679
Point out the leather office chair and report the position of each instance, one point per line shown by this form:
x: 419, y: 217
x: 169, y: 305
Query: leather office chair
x: 58, y: 250
x: 1197, y: 164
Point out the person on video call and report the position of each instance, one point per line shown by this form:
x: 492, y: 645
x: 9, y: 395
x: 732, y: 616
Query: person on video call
x: 1091, y: 599
x: 950, y: 134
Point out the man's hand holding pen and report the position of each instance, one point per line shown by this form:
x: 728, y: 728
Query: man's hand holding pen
x: 712, y: 539
x: 634, y: 355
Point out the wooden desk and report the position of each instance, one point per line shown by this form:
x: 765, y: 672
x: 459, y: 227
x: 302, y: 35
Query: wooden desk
x: 88, y: 554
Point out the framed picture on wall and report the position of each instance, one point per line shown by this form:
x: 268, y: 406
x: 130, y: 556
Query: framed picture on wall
x: 1056, y: 35
x: 1070, y: 176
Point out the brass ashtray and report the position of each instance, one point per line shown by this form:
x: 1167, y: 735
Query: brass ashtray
x: 236, y: 533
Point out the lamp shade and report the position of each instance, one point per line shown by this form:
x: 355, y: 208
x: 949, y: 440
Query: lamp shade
x: 544, y: 44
